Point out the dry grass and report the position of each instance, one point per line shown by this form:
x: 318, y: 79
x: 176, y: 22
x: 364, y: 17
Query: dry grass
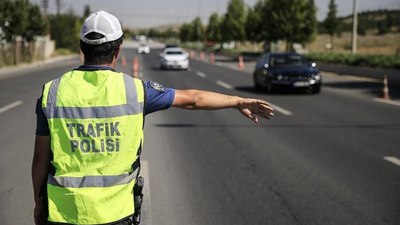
x: 388, y: 44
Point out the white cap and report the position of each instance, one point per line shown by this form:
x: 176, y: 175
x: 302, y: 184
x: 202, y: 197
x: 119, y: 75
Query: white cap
x: 103, y: 23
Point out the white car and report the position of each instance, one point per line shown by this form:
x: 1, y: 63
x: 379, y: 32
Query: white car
x: 143, y: 48
x: 174, y: 58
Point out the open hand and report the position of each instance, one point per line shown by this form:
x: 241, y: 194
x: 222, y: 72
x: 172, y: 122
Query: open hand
x: 252, y: 108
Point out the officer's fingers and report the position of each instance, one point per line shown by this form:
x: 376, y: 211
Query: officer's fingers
x: 264, y: 115
x: 253, y: 117
x: 249, y: 114
x: 259, y: 102
x: 265, y: 105
x: 263, y: 111
x: 267, y: 112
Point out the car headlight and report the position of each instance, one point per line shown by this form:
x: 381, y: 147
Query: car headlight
x: 279, y: 77
x: 316, y: 76
x: 265, y: 72
x: 268, y: 73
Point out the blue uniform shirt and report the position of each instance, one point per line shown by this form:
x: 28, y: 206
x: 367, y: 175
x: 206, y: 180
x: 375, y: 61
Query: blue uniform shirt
x: 157, y: 98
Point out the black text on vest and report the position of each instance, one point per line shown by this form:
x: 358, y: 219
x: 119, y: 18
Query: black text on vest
x: 94, y: 137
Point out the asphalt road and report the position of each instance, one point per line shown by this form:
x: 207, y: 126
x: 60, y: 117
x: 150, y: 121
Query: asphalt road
x: 331, y: 158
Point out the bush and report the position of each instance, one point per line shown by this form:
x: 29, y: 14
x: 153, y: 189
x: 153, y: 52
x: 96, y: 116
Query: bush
x: 376, y: 61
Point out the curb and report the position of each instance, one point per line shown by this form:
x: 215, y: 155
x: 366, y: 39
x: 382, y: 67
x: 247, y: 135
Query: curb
x: 9, y: 69
x: 33, y: 64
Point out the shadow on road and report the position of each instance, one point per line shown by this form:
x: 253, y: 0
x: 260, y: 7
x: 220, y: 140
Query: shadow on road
x: 288, y: 126
x: 252, y: 90
x: 374, y: 89
x: 157, y: 68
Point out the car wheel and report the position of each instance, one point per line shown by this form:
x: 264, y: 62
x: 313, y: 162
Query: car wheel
x: 270, y: 87
x: 257, y: 84
x: 316, y: 90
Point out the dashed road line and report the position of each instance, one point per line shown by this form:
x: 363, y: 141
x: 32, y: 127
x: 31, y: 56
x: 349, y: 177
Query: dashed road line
x: 392, y: 159
x: 10, y: 106
x: 228, y: 86
x: 281, y: 110
x: 387, y: 101
x: 225, y: 85
x: 201, y: 74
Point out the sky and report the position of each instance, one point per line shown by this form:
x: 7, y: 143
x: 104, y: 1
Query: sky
x: 149, y: 13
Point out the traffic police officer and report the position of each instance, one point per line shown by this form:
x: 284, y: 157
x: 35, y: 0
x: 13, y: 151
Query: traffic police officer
x: 90, y: 131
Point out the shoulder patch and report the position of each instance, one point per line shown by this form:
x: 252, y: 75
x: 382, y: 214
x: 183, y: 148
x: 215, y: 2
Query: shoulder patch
x: 157, y: 86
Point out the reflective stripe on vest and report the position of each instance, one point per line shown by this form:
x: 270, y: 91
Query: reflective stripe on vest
x: 130, y: 108
x: 96, y: 126
x: 92, y: 181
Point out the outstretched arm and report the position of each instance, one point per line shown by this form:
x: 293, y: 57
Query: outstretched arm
x: 198, y: 99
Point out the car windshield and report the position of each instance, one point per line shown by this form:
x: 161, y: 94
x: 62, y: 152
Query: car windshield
x: 174, y: 53
x: 287, y: 60
x: 170, y: 46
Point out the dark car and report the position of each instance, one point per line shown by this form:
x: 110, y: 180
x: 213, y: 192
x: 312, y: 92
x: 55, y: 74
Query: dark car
x: 286, y: 70
x: 169, y: 46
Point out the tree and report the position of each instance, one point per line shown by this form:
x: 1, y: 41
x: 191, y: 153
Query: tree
x: 15, y: 20
x: 185, y: 32
x: 253, y: 24
x: 170, y: 33
x: 233, y: 25
x: 152, y: 33
x: 20, y: 21
x: 197, y: 30
x: 331, y: 21
x: 293, y: 21
x: 86, y: 11
x: 309, y: 31
x: 6, y: 9
x: 59, y: 6
x: 213, y: 31
x: 383, y: 27
x: 36, y: 26
x: 65, y: 30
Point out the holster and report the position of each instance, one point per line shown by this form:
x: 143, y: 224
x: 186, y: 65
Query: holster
x: 138, y: 199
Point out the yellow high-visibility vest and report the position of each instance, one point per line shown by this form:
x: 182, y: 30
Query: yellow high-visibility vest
x: 96, y: 127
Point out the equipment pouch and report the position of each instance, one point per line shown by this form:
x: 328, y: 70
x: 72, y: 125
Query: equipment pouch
x: 138, y: 199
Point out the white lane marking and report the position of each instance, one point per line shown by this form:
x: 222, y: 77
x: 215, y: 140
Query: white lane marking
x: 351, y: 77
x: 281, y: 110
x: 392, y: 159
x: 146, y: 207
x: 368, y: 79
x: 277, y: 108
x: 387, y: 101
x: 201, y: 74
x: 225, y: 85
x: 10, y: 106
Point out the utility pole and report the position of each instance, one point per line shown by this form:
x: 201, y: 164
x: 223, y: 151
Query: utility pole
x: 59, y: 6
x: 354, y: 34
x: 45, y: 7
